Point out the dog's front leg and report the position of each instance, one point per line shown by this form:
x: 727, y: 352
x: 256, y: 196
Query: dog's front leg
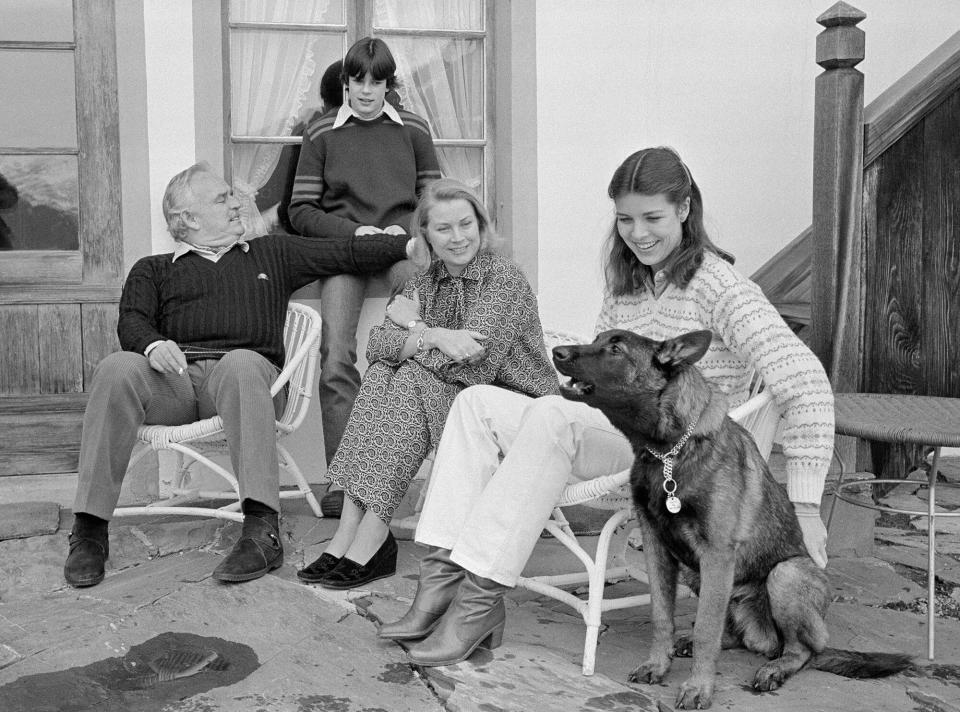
x: 716, y: 585
x: 662, y: 575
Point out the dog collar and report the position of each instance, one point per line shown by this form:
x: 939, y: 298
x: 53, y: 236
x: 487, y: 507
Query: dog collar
x: 668, y: 458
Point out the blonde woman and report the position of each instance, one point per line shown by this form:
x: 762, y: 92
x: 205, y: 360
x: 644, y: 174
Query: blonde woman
x: 471, y: 318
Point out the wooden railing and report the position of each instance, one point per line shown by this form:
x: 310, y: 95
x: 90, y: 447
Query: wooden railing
x: 885, y: 240
x: 832, y: 300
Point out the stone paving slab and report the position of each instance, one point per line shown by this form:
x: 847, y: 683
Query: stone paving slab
x: 311, y: 656
x: 870, y: 581
x: 916, y: 539
x: 317, y: 650
x: 19, y: 520
x: 36, y: 563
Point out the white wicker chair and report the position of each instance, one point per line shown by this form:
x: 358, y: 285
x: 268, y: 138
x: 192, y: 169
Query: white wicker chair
x: 193, y: 442
x: 759, y: 415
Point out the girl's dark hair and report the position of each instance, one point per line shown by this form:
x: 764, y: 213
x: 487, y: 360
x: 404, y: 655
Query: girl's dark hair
x: 653, y: 171
x: 370, y: 54
x: 331, y: 86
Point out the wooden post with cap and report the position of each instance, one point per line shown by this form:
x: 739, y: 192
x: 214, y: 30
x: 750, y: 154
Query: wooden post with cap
x: 838, y: 197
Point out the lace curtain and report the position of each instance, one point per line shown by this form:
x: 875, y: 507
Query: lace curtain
x: 441, y: 78
x: 271, y: 74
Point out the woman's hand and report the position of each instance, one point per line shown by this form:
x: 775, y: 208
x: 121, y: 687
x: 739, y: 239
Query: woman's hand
x: 461, y: 345
x: 394, y: 230
x: 402, y: 310
x: 814, y: 533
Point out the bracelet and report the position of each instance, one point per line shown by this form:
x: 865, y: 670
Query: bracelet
x: 420, y: 339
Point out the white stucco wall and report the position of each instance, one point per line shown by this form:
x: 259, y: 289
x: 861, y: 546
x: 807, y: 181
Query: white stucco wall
x: 168, y: 49
x: 728, y: 84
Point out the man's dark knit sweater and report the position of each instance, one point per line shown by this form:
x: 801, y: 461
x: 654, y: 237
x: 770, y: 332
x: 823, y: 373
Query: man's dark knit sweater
x: 361, y: 173
x: 240, y: 301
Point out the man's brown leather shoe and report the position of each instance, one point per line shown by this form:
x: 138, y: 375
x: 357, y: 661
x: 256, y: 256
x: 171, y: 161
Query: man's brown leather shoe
x: 257, y: 551
x: 88, y: 552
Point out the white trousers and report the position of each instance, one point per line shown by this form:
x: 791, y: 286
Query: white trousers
x: 489, y: 512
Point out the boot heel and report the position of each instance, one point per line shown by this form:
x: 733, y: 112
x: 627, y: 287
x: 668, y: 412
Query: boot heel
x: 495, y: 639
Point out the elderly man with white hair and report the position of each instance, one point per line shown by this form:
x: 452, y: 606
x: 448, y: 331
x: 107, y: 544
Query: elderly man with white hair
x: 201, y: 330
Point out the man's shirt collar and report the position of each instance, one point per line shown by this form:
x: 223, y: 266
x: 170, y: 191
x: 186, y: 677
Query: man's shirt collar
x: 210, y: 253
x: 346, y: 111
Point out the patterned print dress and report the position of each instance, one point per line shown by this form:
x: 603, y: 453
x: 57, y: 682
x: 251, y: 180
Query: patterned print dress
x: 399, y: 412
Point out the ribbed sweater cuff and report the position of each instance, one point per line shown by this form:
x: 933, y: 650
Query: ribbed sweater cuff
x: 805, y: 483
x: 374, y: 253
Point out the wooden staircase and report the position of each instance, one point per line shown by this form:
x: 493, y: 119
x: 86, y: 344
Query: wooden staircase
x: 925, y: 95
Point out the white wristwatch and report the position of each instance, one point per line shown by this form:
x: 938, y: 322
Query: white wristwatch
x: 412, y: 324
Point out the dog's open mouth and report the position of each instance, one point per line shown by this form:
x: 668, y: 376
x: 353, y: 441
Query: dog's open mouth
x: 576, y: 389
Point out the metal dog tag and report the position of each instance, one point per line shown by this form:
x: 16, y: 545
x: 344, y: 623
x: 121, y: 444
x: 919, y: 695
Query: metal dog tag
x: 673, y: 504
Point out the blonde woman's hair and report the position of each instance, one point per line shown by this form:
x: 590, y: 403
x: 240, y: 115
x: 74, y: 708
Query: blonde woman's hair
x: 444, y: 190
x: 178, y: 196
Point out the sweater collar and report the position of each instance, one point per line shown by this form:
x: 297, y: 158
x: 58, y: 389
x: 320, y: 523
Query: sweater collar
x: 346, y: 111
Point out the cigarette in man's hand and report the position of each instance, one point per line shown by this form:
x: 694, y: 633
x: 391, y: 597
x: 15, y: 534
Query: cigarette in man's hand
x: 180, y: 371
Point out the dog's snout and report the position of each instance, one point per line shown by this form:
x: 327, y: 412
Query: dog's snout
x: 562, y: 353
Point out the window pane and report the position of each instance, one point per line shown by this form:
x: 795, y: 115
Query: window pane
x: 464, y: 164
x: 31, y: 118
x: 37, y: 20
x: 318, y: 11
x: 275, y: 78
x: 429, y: 14
x: 279, y: 186
x: 442, y: 80
x: 39, y: 203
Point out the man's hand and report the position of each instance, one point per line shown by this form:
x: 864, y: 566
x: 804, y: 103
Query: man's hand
x: 167, y: 357
x: 367, y: 230
x: 814, y: 533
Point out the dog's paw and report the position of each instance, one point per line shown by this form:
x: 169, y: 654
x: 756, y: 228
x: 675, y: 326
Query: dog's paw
x: 650, y: 672
x: 769, y: 677
x: 694, y: 695
x: 683, y: 646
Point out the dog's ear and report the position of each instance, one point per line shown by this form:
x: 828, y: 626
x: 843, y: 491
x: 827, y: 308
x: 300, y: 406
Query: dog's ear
x: 684, y: 350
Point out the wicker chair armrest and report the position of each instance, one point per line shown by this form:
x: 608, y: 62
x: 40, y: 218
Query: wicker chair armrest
x: 160, y: 436
x: 598, y: 487
x: 294, y: 360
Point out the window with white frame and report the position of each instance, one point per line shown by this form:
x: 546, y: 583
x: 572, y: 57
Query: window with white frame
x: 278, y: 52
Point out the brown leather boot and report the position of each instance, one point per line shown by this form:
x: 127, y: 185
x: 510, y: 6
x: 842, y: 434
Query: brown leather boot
x: 475, y: 618
x: 439, y: 580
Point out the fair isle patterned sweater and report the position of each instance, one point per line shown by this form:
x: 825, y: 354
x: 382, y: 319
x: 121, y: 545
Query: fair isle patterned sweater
x: 748, y: 334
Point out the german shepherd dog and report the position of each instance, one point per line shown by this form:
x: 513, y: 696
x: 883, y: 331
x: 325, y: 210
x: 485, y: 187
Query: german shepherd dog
x: 734, y: 538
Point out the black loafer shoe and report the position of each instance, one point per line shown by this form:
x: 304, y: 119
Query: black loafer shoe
x: 84, y: 565
x: 257, y: 552
x: 319, y: 568
x: 350, y: 574
x: 331, y: 504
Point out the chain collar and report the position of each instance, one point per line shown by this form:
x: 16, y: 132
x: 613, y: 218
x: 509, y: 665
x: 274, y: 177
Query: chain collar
x: 668, y: 458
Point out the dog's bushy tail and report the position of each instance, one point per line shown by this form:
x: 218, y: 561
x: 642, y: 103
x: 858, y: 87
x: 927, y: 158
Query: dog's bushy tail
x: 852, y: 663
